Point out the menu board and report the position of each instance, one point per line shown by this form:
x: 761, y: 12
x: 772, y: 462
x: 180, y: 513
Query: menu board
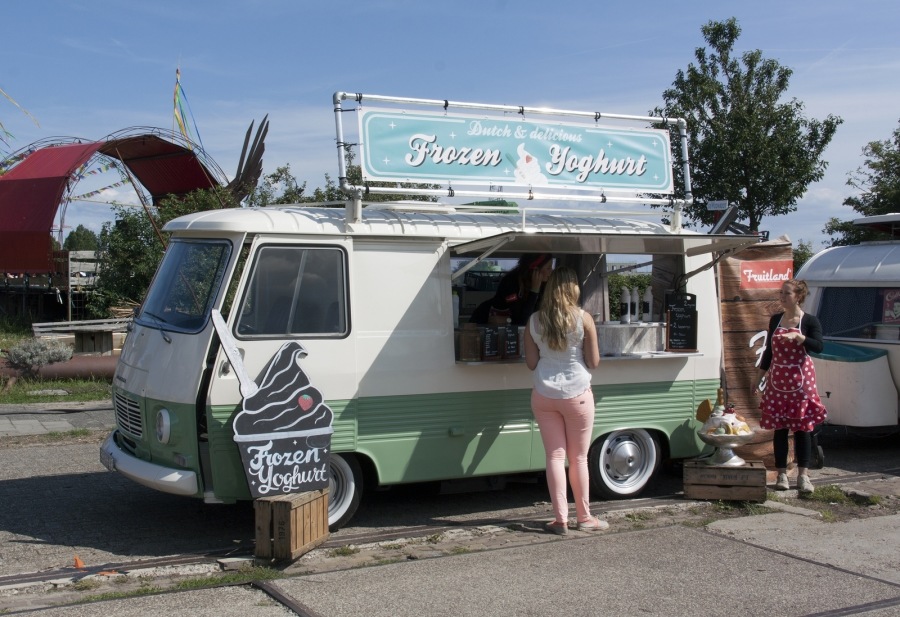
x: 490, y: 343
x: 681, y: 322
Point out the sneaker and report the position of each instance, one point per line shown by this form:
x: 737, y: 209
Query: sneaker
x: 559, y: 529
x: 593, y: 524
x: 804, y: 485
x: 781, y: 483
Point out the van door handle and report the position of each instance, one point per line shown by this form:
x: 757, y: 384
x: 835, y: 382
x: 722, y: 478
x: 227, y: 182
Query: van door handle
x: 457, y: 431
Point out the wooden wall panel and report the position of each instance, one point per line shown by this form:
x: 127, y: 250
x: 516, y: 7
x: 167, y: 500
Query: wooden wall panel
x: 745, y: 312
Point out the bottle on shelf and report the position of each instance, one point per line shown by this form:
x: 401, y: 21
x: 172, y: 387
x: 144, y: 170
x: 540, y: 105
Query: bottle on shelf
x: 635, y: 305
x: 647, y: 307
x: 625, y: 306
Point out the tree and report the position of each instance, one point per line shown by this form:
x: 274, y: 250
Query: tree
x: 131, y: 247
x: 331, y: 192
x: 879, y: 184
x: 802, y: 252
x: 81, y: 239
x: 746, y: 145
x: 279, y: 187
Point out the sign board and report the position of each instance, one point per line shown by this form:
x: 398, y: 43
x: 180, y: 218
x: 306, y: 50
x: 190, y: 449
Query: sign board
x: 425, y: 147
x: 767, y: 274
x: 719, y: 205
x: 681, y: 322
x: 283, y: 430
x: 891, y: 305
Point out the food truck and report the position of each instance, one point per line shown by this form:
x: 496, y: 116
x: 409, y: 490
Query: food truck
x: 855, y: 292
x: 358, y: 312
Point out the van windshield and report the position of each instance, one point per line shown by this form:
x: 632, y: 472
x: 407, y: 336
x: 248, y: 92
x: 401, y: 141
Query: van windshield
x: 186, y: 284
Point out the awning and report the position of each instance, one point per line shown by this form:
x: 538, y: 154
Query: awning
x: 518, y: 242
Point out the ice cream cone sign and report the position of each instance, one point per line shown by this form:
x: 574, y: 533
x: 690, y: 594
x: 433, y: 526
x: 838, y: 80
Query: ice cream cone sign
x: 284, y: 427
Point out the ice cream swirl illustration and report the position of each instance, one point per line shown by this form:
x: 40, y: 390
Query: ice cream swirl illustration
x: 528, y: 169
x: 285, y: 405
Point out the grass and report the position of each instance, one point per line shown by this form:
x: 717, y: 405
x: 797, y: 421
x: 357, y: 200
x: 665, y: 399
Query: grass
x: 237, y: 577
x: 12, y: 331
x: 77, y: 390
x: 743, y: 508
x: 834, y: 495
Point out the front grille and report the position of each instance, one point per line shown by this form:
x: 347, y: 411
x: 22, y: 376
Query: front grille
x: 128, y: 415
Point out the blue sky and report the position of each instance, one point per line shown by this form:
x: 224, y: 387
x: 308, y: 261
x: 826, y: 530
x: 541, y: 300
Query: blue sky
x: 88, y: 69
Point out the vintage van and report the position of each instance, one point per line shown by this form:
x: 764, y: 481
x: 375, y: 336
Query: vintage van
x: 367, y: 290
x: 855, y: 292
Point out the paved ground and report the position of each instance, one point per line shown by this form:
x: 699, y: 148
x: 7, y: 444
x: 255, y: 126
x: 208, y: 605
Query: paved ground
x: 789, y: 562
x: 42, y: 418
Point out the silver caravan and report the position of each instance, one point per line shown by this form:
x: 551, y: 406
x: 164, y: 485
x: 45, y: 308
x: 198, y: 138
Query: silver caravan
x: 855, y: 292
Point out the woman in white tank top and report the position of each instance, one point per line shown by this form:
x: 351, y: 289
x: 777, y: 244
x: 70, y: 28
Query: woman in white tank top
x: 561, y: 348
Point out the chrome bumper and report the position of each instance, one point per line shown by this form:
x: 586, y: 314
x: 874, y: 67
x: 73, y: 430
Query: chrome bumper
x: 163, y: 479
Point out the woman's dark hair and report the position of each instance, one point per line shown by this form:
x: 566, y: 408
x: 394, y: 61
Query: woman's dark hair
x: 533, y: 261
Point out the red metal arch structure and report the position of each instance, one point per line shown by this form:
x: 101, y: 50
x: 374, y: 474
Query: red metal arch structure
x: 32, y: 190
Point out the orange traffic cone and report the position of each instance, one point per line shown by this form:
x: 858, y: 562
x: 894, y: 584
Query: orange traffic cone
x: 78, y: 563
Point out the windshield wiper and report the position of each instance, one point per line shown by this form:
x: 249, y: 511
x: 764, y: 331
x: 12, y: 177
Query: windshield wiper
x: 160, y: 321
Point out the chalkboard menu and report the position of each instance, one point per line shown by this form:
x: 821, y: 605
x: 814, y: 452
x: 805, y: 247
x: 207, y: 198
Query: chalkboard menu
x: 490, y: 343
x: 510, y: 337
x: 681, y: 322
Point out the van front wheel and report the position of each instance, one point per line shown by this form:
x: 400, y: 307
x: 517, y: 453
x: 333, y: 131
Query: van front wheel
x: 345, y: 485
x: 622, y: 463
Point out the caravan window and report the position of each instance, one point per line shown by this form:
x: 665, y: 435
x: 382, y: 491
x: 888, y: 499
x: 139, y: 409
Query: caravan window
x: 295, y: 291
x: 860, y: 312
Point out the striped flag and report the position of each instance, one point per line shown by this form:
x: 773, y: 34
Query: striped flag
x: 183, y: 116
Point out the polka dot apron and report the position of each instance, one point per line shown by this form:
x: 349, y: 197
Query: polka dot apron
x: 790, y: 399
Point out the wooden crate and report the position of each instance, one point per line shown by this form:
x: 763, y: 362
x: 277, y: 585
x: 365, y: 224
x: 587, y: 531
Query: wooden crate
x: 744, y: 483
x: 288, y: 526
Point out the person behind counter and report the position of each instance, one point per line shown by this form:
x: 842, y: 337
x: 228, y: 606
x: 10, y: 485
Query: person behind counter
x: 787, y: 381
x: 518, y: 294
x: 560, y: 346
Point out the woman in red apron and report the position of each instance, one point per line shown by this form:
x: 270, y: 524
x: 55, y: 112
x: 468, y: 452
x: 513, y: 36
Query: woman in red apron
x: 787, y: 381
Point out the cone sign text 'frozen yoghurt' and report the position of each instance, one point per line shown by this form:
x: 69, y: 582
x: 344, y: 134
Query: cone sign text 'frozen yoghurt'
x: 284, y: 428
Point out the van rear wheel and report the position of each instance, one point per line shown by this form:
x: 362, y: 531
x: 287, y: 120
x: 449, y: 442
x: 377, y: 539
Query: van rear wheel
x: 345, y: 485
x: 621, y: 463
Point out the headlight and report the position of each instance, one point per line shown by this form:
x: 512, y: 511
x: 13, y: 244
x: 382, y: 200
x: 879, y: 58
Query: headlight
x: 163, y: 425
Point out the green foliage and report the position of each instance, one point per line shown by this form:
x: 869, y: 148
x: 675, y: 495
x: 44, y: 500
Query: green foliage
x: 29, y: 355
x: 878, y: 181
x: 280, y: 187
x: 22, y: 391
x: 13, y: 330
x: 802, y: 252
x: 131, y: 247
x: 81, y: 239
x: 747, y: 144
x: 617, y: 282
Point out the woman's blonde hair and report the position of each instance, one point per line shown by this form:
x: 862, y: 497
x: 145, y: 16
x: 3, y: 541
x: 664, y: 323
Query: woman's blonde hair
x: 557, y: 313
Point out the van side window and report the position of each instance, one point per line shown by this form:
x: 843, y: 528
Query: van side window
x: 295, y: 291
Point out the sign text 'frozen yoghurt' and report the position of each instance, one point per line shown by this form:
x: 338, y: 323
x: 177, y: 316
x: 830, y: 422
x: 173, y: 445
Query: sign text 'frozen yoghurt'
x: 441, y: 147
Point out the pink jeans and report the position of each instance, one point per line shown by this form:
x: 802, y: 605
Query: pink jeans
x: 566, y: 426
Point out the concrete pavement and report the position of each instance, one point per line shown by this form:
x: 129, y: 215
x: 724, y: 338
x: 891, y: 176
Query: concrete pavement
x: 43, y: 418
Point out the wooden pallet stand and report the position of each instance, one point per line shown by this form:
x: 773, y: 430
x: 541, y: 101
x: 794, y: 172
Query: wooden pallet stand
x: 744, y: 483
x: 287, y: 526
